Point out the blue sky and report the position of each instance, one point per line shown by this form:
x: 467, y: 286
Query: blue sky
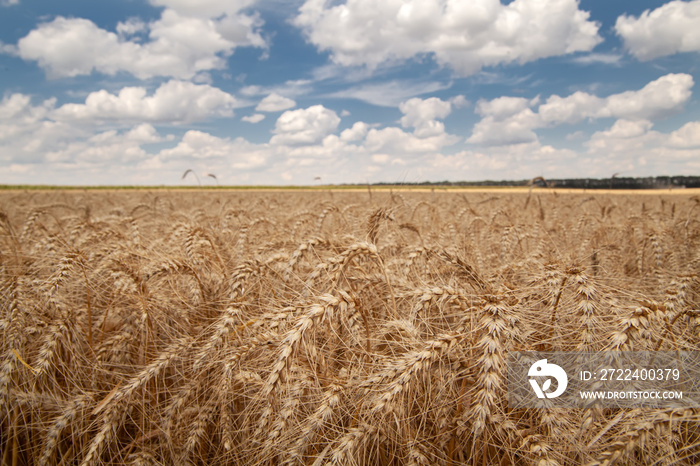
x: 351, y: 91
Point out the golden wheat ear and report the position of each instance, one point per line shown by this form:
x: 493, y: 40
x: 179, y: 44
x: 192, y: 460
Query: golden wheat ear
x: 256, y: 328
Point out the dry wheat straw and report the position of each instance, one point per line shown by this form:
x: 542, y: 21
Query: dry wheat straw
x: 256, y: 328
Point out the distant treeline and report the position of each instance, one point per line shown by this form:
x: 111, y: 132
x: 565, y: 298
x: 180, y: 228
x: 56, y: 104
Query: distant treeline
x: 650, y: 182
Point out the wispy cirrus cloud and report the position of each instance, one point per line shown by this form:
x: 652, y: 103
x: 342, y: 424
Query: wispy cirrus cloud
x: 613, y: 59
x: 389, y: 93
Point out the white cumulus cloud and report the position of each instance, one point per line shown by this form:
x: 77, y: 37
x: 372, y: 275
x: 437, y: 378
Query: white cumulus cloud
x: 503, y: 107
x: 417, y: 112
x: 234, y: 153
x: 428, y: 135
x: 356, y: 133
x: 130, y: 27
x: 204, y: 8
x: 173, y: 102
x: 112, y: 145
x: 305, y: 126
x: 400, y: 143
x: 25, y: 130
x: 688, y: 136
x: 572, y: 108
x: 178, y: 46
x: 465, y: 35
x: 254, y: 118
x: 512, y: 120
x: 506, y: 120
x: 423, y: 115
x: 669, y: 29
x: 275, y: 103
x: 624, y: 129
x: 17, y: 108
x: 657, y: 99
x: 634, y: 147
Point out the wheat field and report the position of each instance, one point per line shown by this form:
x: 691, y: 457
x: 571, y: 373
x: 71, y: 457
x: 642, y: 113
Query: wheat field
x: 353, y: 328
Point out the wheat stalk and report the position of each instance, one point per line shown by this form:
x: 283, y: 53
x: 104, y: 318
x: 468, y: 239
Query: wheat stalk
x: 263, y: 328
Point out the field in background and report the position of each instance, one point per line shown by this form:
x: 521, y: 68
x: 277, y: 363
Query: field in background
x: 350, y: 188
x: 368, y: 327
